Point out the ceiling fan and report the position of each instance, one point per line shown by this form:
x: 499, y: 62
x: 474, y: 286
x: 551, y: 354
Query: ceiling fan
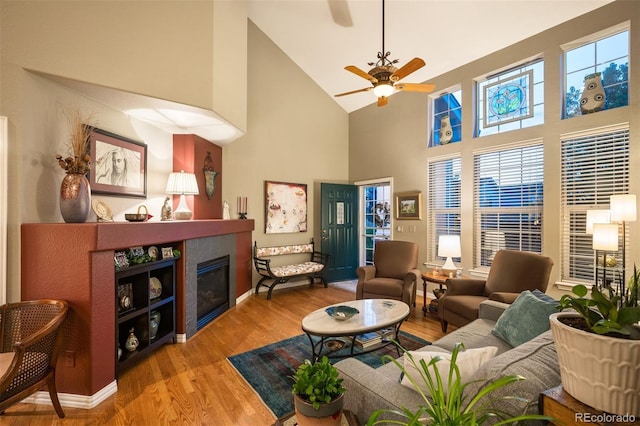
x: 385, y: 77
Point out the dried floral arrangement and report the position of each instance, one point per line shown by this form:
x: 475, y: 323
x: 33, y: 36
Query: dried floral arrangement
x: 78, y: 159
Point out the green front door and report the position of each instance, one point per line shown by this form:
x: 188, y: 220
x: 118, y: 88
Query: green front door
x: 340, y: 230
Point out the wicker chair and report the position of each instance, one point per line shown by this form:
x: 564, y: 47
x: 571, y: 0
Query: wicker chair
x: 29, y: 345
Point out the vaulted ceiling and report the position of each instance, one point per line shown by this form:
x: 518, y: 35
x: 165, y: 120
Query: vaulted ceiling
x: 323, y: 36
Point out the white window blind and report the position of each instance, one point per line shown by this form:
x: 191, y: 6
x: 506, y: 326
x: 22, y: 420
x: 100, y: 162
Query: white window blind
x: 594, y: 167
x: 443, y: 201
x: 508, y: 200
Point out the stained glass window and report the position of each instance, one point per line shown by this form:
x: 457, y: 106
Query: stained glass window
x: 512, y: 99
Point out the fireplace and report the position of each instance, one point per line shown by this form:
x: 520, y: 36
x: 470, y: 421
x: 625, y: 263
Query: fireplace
x: 212, y: 290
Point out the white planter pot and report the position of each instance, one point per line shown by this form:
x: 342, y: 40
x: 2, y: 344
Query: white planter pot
x: 600, y: 371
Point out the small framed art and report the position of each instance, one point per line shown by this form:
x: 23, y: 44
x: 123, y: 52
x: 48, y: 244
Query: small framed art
x: 409, y: 205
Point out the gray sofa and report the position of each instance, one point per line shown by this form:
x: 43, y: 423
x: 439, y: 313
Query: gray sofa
x: 370, y: 389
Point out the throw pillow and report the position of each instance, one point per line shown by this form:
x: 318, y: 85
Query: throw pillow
x: 544, y: 296
x: 468, y: 362
x: 524, y: 319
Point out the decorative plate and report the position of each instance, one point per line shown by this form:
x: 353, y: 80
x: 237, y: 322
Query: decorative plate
x: 153, y: 252
x: 102, y: 211
x: 155, y: 287
x: 341, y: 312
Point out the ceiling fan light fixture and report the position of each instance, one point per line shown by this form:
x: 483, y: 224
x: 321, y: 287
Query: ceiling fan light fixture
x: 383, y: 90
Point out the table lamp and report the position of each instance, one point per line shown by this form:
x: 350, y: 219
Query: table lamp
x: 449, y: 246
x: 181, y: 183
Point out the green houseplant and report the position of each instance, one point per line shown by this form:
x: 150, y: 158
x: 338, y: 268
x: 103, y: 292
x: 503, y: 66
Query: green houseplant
x: 598, y: 346
x: 450, y: 408
x: 318, y: 392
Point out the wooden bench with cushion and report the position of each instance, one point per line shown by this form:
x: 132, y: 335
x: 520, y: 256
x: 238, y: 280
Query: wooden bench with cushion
x: 310, y: 269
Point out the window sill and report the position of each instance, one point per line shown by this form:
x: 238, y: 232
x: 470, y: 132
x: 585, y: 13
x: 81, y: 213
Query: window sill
x: 568, y: 286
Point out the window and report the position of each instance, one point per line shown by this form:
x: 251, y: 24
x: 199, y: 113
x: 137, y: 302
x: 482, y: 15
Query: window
x: 596, y: 66
x: 594, y: 167
x: 447, y: 119
x: 377, y: 218
x: 510, y: 100
x: 443, y: 200
x: 508, y: 197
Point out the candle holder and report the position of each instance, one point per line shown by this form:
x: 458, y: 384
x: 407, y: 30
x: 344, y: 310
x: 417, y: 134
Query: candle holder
x: 242, y: 215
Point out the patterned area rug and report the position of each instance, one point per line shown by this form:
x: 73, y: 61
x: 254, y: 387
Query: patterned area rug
x: 268, y: 369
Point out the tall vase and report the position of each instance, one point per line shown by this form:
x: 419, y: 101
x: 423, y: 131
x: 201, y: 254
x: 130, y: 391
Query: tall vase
x: 75, y: 198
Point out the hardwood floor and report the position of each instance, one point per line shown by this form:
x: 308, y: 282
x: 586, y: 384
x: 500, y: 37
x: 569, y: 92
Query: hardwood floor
x: 193, y: 383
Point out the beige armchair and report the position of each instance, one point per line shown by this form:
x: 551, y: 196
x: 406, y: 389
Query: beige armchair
x: 512, y: 272
x: 394, y: 274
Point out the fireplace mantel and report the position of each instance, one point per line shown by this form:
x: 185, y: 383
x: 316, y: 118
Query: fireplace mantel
x: 74, y: 262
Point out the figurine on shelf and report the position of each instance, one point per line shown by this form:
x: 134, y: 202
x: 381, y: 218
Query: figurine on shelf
x: 132, y: 341
x: 166, y: 210
x: 225, y: 211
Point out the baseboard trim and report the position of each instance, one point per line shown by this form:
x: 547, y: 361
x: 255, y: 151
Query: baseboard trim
x: 73, y: 400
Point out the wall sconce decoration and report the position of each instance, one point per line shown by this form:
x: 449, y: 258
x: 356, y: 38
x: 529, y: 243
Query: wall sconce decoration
x: 209, y: 176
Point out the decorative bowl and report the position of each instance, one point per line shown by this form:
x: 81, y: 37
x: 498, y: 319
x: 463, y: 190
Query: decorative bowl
x: 139, y: 216
x: 341, y: 312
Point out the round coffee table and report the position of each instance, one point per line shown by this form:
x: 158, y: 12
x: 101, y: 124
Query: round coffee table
x: 383, y: 316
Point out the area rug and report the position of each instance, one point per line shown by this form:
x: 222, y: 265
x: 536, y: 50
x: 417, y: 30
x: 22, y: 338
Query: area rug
x: 268, y: 369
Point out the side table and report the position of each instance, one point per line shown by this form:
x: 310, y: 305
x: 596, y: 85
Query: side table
x: 429, y: 277
x: 348, y: 419
x: 567, y: 410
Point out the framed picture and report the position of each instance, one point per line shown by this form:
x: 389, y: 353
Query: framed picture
x: 285, y: 207
x: 167, y: 252
x: 118, y: 165
x: 409, y: 205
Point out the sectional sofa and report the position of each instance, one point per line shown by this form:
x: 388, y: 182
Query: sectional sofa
x: 370, y: 389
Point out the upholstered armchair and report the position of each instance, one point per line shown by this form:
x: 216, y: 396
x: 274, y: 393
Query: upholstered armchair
x: 512, y: 272
x: 393, y: 275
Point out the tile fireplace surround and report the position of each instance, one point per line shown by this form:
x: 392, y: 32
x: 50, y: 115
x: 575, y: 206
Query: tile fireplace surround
x: 74, y: 262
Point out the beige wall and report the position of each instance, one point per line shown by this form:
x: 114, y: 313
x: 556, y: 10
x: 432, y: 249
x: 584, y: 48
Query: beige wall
x: 163, y: 50
x: 392, y: 141
x: 297, y: 133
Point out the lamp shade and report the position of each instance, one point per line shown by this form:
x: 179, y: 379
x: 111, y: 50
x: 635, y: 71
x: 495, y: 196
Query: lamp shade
x: 596, y: 216
x: 605, y: 236
x: 182, y: 183
x: 449, y: 246
x: 623, y: 208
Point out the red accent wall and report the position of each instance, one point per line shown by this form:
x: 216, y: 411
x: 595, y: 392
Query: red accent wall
x: 189, y: 153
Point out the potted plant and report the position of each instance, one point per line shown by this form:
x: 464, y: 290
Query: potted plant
x: 598, y: 346
x: 450, y: 407
x: 318, y: 393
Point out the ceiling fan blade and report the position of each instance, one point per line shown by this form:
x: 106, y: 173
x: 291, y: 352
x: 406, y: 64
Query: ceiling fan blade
x: 382, y: 101
x: 411, y: 66
x: 354, y: 91
x: 357, y: 71
x: 415, y: 87
x: 340, y: 12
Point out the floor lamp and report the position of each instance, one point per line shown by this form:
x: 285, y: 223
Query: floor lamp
x: 623, y: 209
x: 593, y: 217
x: 605, y: 238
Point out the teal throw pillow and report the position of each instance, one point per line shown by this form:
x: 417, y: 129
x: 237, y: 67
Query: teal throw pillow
x: 525, y: 318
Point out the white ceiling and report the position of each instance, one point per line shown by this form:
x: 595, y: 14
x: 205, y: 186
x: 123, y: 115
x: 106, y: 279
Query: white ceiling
x: 445, y: 33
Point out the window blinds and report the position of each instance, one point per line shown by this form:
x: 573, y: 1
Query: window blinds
x: 443, y: 201
x: 594, y: 167
x: 508, y: 201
